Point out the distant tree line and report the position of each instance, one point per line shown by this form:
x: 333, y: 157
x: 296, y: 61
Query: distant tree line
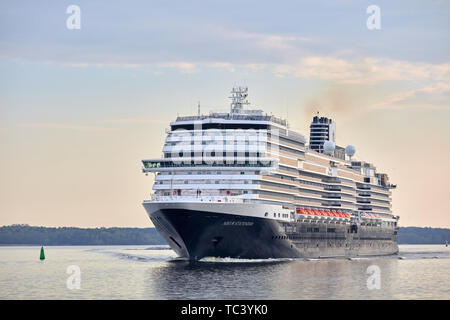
x: 29, y: 235
x: 415, y: 235
x: 25, y: 234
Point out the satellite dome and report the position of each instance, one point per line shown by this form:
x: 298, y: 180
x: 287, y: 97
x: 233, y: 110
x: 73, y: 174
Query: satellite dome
x: 350, y: 150
x: 328, y: 147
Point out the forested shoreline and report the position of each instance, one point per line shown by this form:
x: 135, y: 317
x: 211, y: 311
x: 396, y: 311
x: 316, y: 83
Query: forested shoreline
x: 34, y: 235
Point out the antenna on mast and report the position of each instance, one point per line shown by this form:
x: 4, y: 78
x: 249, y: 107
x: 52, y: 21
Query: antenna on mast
x: 198, y: 109
x: 238, y: 99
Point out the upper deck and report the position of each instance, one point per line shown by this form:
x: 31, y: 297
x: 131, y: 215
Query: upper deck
x: 246, y: 154
x: 242, y: 118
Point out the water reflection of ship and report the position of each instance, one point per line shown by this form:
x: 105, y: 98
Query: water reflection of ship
x: 322, y: 279
x: 198, y: 280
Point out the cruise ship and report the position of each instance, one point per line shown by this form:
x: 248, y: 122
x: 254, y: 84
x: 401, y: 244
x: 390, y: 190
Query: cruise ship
x: 242, y: 184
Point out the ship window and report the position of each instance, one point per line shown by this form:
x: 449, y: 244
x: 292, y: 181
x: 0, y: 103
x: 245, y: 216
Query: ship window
x: 242, y: 172
x: 245, y: 182
x: 209, y: 172
x: 185, y: 181
x: 245, y: 191
x: 217, y: 182
x: 316, y: 229
x: 199, y: 172
x: 189, y: 172
x: 218, y: 172
x: 274, y: 215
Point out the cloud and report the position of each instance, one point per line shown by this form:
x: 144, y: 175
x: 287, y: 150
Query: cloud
x: 65, y: 126
x: 99, y: 126
x: 135, y: 121
x: 392, y: 101
x: 366, y: 70
x: 423, y: 98
x: 349, y: 85
x: 183, y: 67
x: 263, y: 40
x: 201, y: 41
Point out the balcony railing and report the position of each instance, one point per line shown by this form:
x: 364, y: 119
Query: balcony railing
x: 216, y: 199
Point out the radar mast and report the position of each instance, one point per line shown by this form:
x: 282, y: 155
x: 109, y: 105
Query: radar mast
x: 238, y: 99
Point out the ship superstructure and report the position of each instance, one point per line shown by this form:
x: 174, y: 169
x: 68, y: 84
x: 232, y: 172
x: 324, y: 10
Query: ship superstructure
x: 243, y: 184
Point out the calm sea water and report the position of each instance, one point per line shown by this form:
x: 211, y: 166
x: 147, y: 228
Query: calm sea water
x: 151, y: 272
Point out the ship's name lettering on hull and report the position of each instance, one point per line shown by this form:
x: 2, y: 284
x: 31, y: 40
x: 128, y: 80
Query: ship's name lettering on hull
x: 238, y: 223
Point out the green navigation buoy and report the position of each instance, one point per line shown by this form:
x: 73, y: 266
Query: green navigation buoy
x: 42, y: 254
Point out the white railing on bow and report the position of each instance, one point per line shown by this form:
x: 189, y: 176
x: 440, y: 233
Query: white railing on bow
x: 216, y: 199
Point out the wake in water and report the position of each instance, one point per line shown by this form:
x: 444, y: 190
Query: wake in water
x: 167, y: 255
x: 400, y: 256
x: 153, y: 247
x: 417, y: 255
x: 134, y: 257
x: 163, y: 253
x: 239, y: 260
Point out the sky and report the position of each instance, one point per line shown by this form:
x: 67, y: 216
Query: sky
x: 80, y: 108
